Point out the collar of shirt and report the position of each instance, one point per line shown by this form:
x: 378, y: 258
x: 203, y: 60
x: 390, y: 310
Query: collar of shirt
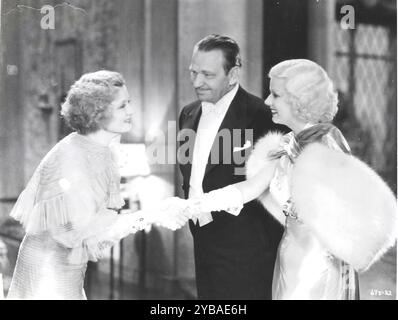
x: 221, y: 105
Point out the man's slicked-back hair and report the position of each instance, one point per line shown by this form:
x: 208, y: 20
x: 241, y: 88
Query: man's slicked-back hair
x: 228, y: 47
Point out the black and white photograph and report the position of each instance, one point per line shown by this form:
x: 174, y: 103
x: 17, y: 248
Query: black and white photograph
x: 221, y: 151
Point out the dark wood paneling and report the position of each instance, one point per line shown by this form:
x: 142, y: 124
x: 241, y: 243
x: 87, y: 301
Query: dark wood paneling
x: 285, y: 32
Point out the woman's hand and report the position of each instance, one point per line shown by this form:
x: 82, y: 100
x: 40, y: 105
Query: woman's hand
x: 96, y: 247
x: 172, y: 213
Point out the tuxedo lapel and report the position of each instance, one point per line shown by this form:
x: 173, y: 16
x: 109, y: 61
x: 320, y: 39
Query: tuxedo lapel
x: 235, y: 118
x: 191, y: 122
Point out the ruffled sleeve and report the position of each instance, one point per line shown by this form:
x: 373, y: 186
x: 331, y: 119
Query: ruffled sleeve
x: 70, y: 195
x: 58, y: 194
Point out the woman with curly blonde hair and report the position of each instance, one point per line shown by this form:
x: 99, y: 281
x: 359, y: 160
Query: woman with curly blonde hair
x: 339, y: 215
x: 69, y: 207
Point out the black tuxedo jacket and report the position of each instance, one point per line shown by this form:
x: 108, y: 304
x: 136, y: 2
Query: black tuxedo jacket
x: 234, y: 255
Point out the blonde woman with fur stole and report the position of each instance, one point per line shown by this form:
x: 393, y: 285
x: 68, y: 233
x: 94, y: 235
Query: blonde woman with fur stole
x: 339, y: 215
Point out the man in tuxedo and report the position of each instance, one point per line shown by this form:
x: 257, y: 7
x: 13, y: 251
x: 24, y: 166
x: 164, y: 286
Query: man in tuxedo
x: 234, y: 255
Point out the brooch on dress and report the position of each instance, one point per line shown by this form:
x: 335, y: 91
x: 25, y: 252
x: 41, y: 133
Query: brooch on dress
x: 289, y: 210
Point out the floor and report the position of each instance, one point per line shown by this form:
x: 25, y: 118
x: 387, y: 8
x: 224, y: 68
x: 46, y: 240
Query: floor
x: 378, y: 283
x: 101, y: 290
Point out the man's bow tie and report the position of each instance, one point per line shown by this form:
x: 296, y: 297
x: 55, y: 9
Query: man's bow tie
x: 208, y: 108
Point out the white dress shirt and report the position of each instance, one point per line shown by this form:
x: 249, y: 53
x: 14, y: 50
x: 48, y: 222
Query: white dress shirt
x: 209, y: 124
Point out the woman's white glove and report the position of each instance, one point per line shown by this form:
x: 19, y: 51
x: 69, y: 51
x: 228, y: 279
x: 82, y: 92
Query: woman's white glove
x: 172, y: 213
x: 131, y: 222
x: 125, y: 224
x: 228, y: 199
x: 97, y: 247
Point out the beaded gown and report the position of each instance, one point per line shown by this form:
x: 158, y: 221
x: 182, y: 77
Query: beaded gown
x: 304, y: 269
x: 70, y: 197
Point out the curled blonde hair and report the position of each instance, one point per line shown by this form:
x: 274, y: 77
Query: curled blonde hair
x: 86, y: 106
x: 310, y: 91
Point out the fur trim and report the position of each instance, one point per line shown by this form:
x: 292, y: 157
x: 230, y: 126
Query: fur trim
x: 259, y: 161
x: 258, y: 158
x: 348, y: 206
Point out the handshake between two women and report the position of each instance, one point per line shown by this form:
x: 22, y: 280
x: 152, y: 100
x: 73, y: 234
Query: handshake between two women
x: 173, y: 213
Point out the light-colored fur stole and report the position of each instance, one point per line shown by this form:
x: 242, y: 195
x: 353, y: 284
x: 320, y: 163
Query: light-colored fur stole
x: 348, y: 206
x: 259, y: 161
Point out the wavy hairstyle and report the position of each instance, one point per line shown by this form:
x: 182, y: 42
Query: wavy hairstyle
x: 310, y: 91
x: 85, y: 109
